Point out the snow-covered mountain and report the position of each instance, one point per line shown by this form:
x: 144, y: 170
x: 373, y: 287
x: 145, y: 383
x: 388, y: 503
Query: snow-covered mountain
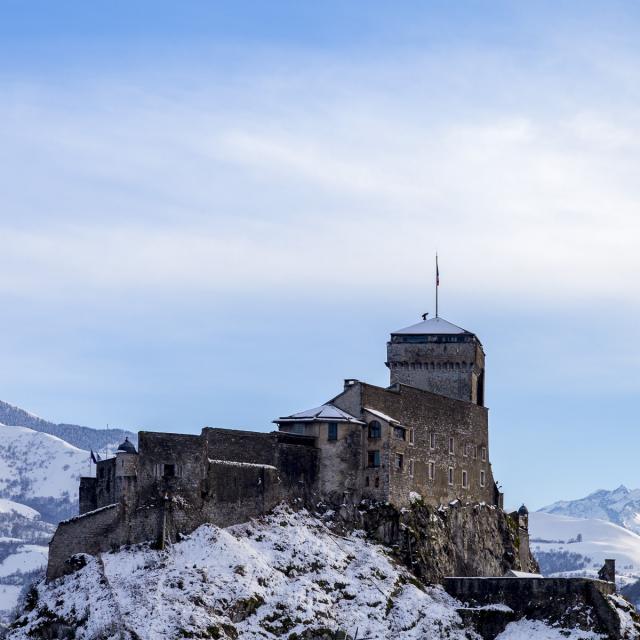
x: 282, y: 576
x: 39, y: 479
x: 620, y: 506
x: 81, y: 437
x: 41, y: 471
x: 566, y: 546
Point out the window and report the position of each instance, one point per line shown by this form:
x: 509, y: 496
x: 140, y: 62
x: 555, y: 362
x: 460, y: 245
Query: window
x: 451, y: 475
x: 411, y: 468
x: 465, y: 450
x: 412, y: 436
x: 482, y: 478
x: 475, y: 452
x: 366, y: 481
x: 399, y: 461
x: 399, y: 433
x: 375, y: 429
x: 376, y: 482
x: 332, y: 433
x: 484, y: 454
x: 451, y: 446
x: 169, y: 471
x: 432, y: 440
x: 298, y: 428
x: 465, y: 479
x: 373, y: 459
x: 431, y: 470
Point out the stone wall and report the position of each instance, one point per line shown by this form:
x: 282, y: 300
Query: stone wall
x: 428, y: 415
x: 340, y: 462
x: 230, y: 493
x: 87, y: 495
x: 240, y: 446
x: 452, y: 369
x: 83, y: 534
x: 566, y: 602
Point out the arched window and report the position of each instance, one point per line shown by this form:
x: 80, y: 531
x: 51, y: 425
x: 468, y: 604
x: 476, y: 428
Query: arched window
x: 375, y: 429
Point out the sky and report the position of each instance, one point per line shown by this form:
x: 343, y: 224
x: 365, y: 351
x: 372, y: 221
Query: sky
x: 214, y: 212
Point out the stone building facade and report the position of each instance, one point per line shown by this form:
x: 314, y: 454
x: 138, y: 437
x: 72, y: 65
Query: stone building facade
x: 426, y: 434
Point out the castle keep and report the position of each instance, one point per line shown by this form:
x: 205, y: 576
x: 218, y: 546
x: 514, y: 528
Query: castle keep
x: 426, y: 434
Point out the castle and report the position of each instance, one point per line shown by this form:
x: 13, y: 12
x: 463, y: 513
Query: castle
x: 426, y: 434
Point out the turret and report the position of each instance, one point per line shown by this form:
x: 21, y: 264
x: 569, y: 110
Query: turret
x: 126, y: 472
x: 438, y: 356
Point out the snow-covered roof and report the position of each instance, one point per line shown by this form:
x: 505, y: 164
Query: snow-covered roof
x: 324, y: 413
x: 522, y: 574
x: 383, y: 416
x: 432, y: 326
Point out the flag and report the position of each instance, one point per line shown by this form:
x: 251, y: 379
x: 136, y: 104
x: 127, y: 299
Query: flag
x: 437, y: 272
x: 93, y: 457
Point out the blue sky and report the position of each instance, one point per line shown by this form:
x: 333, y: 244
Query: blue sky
x: 214, y: 212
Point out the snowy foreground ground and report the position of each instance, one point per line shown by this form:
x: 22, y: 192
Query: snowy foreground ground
x: 271, y: 578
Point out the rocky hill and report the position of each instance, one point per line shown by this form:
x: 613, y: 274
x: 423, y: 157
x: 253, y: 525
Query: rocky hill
x: 289, y: 575
x: 82, y: 437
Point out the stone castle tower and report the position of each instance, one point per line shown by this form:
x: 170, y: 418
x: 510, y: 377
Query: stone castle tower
x: 438, y: 356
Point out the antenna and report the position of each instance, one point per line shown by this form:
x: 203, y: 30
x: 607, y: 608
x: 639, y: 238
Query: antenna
x: 437, y: 282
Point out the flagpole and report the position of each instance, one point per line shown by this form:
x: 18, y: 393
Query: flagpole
x: 437, y: 283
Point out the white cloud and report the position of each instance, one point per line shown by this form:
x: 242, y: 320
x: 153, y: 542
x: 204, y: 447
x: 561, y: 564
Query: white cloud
x: 266, y: 185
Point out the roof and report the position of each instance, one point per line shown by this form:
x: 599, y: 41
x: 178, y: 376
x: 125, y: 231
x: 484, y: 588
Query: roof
x: 522, y: 574
x: 383, y: 416
x: 432, y: 326
x: 126, y: 447
x: 324, y: 413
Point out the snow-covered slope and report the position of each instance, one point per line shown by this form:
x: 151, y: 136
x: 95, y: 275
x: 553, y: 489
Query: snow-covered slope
x: 578, y: 546
x: 620, y: 506
x: 40, y: 470
x: 23, y: 551
x: 282, y: 576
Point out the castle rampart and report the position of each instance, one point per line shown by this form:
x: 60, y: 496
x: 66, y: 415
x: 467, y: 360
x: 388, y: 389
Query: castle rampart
x: 373, y: 443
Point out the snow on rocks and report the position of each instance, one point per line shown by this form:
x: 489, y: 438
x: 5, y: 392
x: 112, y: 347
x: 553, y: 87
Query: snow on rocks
x: 527, y: 629
x: 272, y: 577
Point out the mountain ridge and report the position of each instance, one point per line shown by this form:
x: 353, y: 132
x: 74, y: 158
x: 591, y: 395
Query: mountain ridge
x: 79, y: 436
x: 620, y: 506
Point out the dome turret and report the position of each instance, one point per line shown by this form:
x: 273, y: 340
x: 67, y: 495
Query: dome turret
x: 126, y: 447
